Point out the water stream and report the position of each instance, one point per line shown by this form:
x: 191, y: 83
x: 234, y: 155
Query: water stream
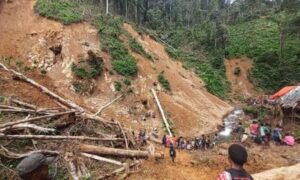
x: 230, y: 122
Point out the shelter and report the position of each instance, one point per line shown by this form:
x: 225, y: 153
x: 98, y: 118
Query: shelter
x: 288, y: 101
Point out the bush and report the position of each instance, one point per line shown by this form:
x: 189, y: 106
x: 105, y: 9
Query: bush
x: 137, y: 48
x: 118, y: 86
x: 110, y: 29
x: 125, y: 68
x: 214, y: 80
x: 127, y: 82
x: 90, y: 68
x: 164, y: 82
x: 65, y: 11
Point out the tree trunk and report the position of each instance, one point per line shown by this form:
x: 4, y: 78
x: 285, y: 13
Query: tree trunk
x: 34, y: 119
x: 44, y: 89
x: 162, y: 112
x: 46, y: 137
x: 99, y: 150
x: 107, y: 4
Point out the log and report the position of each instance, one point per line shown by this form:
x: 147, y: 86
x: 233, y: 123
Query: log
x: 46, y: 137
x: 112, y: 161
x: 66, y: 102
x: 116, y: 172
x: 124, y: 135
x: 5, y: 152
x: 100, y: 150
x: 96, y: 118
x: 35, y: 119
x: 28, y: 126
x: 161, y: 112
x: 21, y: 103
x: 106, y: 105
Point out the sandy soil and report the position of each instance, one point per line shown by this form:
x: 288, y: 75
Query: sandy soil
x: 241, y: 86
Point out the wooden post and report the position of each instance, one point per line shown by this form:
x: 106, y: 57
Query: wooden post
x: 162, y: 112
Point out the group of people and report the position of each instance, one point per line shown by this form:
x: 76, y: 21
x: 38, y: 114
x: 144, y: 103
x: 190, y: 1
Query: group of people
x: 204, y: 142
x: 263, y: 133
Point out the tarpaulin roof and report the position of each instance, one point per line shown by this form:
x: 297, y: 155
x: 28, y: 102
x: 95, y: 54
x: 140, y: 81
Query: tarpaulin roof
x: 282, y: 92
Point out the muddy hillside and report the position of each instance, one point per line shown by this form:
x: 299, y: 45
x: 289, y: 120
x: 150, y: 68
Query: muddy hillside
x: 50, y: 47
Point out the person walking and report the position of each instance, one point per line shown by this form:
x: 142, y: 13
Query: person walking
x: 172, y: 153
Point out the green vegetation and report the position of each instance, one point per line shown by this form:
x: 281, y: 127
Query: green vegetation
x: 214, y: 78
x: 90, y: 68
x: 67, y: 12
x: 271, y: 70
x: 137, y: 48
x: 110, y: 29
x: 127, y: 82
x: 163, y: 81
x: 271, y: 73
x: 297, y: 133
x: 261, y: 37
x: 118, y: 86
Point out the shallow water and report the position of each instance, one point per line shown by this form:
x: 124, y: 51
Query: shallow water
x: 231, y: 122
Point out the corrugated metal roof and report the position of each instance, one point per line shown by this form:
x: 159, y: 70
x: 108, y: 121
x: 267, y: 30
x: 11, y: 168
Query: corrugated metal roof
x: 291, y: 99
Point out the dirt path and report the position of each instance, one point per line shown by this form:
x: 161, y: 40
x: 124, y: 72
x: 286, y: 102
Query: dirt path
x: 241, y: 86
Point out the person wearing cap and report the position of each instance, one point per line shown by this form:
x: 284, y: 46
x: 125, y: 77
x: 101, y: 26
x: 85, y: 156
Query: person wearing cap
x: 35, y: 167
x: 237, y: 156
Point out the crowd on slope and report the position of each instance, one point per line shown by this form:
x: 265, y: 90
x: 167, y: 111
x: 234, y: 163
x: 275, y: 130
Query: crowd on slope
x: 263, y: 133
x: 204, y: 142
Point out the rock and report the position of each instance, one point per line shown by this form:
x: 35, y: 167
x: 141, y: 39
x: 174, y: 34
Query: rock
x: 223, y: 152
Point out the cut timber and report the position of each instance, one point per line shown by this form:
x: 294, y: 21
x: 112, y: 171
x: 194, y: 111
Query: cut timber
x: 34, y: 119
x: 28, y: 126
x: 112, y: 161
x: 106, y: 105
x: 44, y: 89
x: 100, y: 150
x: 162, y: 112
x: 5, y: 152
x: 45, y: 137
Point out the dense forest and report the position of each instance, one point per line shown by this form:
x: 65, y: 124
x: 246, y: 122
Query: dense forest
x: 202, y: 33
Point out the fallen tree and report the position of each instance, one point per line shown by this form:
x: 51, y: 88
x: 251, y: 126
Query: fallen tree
x: 118, y: 171
x: 112, y: 161
x: 28, y: 126
x: 44, y: 89
x: 100, y: 150
x: 46, y: 137
x: 5, y: 152
x: 35, y: 119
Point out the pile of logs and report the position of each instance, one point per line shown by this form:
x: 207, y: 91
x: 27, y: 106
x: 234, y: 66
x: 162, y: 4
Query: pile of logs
x: 34, y: 125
